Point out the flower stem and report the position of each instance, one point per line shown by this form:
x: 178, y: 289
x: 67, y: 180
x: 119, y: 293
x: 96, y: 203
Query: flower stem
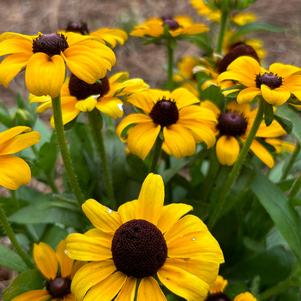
x: 156, y: 155
x: 291, y: 162
x: 59, y: 127
x: 295, y: 188
x: 170, y: 59
x: 223, y: 26
x: 11, y: 235
x: 95, y: 121
x: 220, y: 202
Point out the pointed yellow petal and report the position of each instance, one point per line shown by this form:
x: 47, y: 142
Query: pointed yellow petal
x: 127, y: 211
x: 35, y: 295
x: 276, y: 96
x: 149, y: 290
x: 273, y: 130
x: 247, y: 95
x: 64, y: 261
x: 284, y: 70
x: 183, y: 97
x: 227, y: 150
x: 262, y: 153
x: 128, y: 290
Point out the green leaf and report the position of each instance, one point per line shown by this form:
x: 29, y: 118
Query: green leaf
x: 26, y: 281
x: 284, y: 216
x: 11, y: 260
x: 54, y: 235
x: 268, y: 113
x: 214, y: 94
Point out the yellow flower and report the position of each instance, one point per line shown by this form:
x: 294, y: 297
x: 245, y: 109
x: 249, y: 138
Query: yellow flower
x: 245, y: 297
x: 219, y: 285
x: 206, y: 11
x: 242, y: 19
x: 44, y: 57
x: 175, y: 114
x: 276, y: 84
x: 57, y: 269
x: 105, y: 95
x: 111, y: 36
x: 14, y: 171
x: 144, y: 239
x: 234, y: 126
x: 177, y: 26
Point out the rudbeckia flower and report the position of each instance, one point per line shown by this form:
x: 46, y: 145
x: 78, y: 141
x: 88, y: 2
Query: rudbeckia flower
x: 44, y: 57
x: 276, y: 84
x: 106, y: 95
x: 175, y: 114
x: 177, y: 26
x: 144, y: 239
x: 234, y: 126
x: 14, y: 171
x: 57, y: 269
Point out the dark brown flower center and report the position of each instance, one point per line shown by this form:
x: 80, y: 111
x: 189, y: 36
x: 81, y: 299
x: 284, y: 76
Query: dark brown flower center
x: 165, y: 112
x: 232, y: 124
x: 79, y: 27
x: 138, y: 248
x: 170, y: 22
x: 237, y: 50
x: 59, y: 287
x: 50, y: 44
x: 217, y: 297
x: 81, y: 90
x: 270, y: 79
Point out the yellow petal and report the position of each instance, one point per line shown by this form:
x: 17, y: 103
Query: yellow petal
x: 178, y: 141
x: 16, y: 44
x: 198, y: 113
x: 182, y: 283
x: 171, y: 214
x: 107, y: 289
x: 86, y: 105
x: 227, y: 150
x: 128, y: 290
x: 45, y: 75
x: 292, y: 82
x: 14, y: 172
x: 245, y: 297
x: 271, y: 131
x: 183, y: 97
x: 85, y: 248
x: 69, y: 110
x: 151, y: 199
x: 111, y: 36
x: 89, y: 275
x: 12, y: 132
x: 101, y: 216
x: 241, y: 78
x: 149, y: 290
x: 143, y: 100
x: 111, y: 106
x: 35, y: 295
x: 45, y: 259
x: 247, y: 95
x: 219, y: 285
x: 142, y: 137
x: 127, y: 211
x: 262, y: 153
x: 276, y: 96
x: 64, y: 261
x: 284, y: 70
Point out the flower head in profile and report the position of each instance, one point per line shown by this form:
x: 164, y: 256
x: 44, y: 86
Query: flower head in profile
x: 172, y: 115
x: 276, y: 84
x: 233, y: 127
x: 144, y: 239
x: 45, y: 56
x: 176, y: 27
x: 57, y: 269
x: 106, y: 95
x: 14, y: 171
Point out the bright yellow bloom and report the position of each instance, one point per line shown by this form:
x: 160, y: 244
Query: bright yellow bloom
x: 219, y: 285
x: 177, y: 26
x: 245, y: 297
x: 58, y: 270
x: 14, y: 171
x: 44, y: 57
x: 175, y: 114
x: 106, y: 95
x: 206, y: 11
x: 276, y: 84
x: 144, y: 239
x: 234, y: 126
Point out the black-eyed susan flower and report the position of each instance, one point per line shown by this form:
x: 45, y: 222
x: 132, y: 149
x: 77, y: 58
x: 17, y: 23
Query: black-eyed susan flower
x: 111, y: 36
x: 174, y: 115
x: 177, y: 26
x: 106, y: 95
x: 233, y: 128
x: 14, y: 171
x: 44, y: 57
x: 57, y: 269
x: 276, y: 84
x: 144, y: 239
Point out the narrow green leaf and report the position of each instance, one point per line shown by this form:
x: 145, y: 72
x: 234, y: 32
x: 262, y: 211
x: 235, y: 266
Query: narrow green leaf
x: 284, y: 216
x: 11, y: 260
x: 268, y: 113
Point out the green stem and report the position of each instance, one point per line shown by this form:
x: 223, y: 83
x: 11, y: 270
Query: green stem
x: 170, y: 59
x: 11, y: 235
x: 295, y: 188
x: 220, y: 202
x: 156, y: 155
x: 277, y: 289
x: 59, y: 127
x: 95, y: 120
x: 223, y: 26
x: 291, y: 162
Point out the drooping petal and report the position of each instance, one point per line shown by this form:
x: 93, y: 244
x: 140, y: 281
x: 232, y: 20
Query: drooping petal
x: 86, y: 105
x: 35, y: 295
x: 127, y: 211
x: 101, y: 216
x: 151, y: 199
x: 15, y: 44
x: 89, y: 275
x: 14, y: 172
x: 247, y: 95
x: 45, y: 259
x: 276, y: 96
x: 64, y: 261
x: 111, y: 106
x: 69, y: 110
x: 292, y: 83
x: 183, y: 97
x: 262, y: 153
x: 149, y: 290
x: 127, y: 293
x: 111, y: 36
x: 271, y: 131
x: 227, y: 150
x: 45, y: 75
x: 13, y: 132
